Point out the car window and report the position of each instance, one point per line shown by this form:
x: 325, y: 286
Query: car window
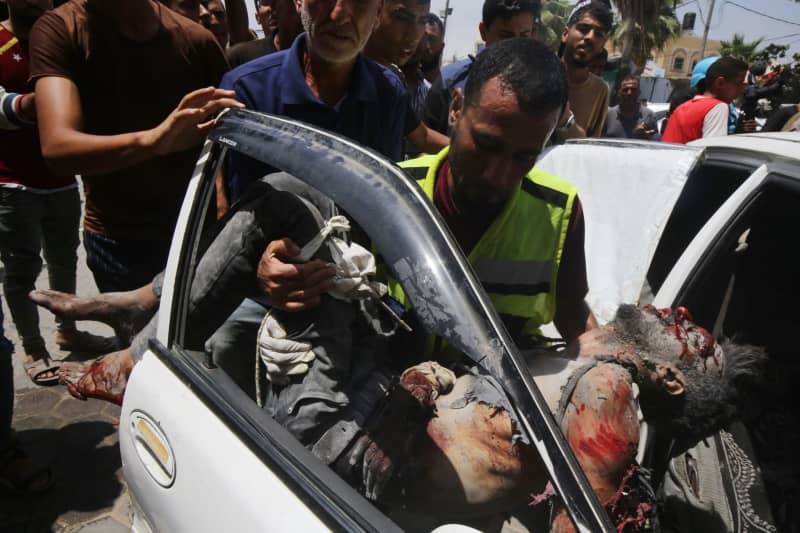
x: 708, y: 186
x: 342, y: 385
x: 746, y: 288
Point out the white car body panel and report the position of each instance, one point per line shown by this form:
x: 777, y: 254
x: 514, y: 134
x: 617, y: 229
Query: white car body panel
x: 622, y: 227
x: 221, y: 485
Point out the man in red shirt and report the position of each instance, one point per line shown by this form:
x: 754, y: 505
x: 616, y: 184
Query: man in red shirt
x: 39, y: 210
x: 706, y: 115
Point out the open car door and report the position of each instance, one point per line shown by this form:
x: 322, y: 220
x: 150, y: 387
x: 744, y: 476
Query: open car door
x: 191, y: 440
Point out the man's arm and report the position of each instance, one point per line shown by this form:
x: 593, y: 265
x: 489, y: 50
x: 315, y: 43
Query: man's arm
x: 437, y: 107
x: 715, y: 123
x: 68, y: 150
x: 573, y: 315
x: 428, y: 140
x: 602, y: 428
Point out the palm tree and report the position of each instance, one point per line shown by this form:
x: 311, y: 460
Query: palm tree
x: 645, y: 25
x: 554, y: 18
x: 738, y: 48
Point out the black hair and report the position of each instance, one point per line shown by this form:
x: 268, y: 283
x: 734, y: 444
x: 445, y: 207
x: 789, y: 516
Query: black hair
x: 524, y: 66
x: 726, y: 67
x: 431, y: 18
x: 494, y: 9
x: 598, y: 9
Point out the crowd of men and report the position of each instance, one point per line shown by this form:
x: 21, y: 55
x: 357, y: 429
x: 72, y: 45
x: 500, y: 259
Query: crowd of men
x: 369, y: 70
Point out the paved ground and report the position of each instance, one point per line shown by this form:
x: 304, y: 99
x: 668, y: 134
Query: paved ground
x: 79, y: 441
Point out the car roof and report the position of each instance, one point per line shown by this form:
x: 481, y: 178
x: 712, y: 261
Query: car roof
x: 782, y: 144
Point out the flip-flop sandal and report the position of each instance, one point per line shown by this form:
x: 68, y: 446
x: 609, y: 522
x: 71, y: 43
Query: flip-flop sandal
x: 37, y: 368
x: 86, y: 342
x: 19, y: 475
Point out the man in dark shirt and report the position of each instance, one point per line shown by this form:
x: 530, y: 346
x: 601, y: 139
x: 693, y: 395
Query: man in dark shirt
x: 501, y: 19
x: 124, y: 94
x: 630, y: 119
x: 281, y: 24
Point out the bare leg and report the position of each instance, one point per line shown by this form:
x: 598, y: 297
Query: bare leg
x: 126, y: 312
x: 104, y: 378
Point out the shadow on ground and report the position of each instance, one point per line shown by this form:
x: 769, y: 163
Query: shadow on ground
x: 85, y: 461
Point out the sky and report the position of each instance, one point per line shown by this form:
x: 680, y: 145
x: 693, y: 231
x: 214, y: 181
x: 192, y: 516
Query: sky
x: 728, y: 18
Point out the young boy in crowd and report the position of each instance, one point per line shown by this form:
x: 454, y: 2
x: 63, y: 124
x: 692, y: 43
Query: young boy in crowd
x: 707, y: 114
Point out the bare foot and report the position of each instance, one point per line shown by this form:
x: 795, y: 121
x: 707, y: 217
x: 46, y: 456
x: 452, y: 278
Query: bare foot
x: 125, y: 312
x: 105, y: 378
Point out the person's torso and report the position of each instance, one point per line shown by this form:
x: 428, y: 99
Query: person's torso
x: 588, y: 102
x: 128, y: 86
x: 518, y: 257
x: 372, y: 113
x: 21, y: 162
x: 686, y: 122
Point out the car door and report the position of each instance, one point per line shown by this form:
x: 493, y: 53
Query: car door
x: 199, y: 455
x: 740, y: 278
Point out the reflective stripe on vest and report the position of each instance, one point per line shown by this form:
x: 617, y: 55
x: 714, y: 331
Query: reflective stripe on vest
x: 518, y: 257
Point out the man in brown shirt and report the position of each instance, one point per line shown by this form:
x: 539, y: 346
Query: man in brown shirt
x: 581, y: 41
x: 125, y: 95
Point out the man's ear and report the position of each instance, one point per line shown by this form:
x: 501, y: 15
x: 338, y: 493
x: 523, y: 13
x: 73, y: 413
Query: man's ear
x: 482, y: 30
x: 670, y: 379
x: 456, y: 107
x: 564, y: 34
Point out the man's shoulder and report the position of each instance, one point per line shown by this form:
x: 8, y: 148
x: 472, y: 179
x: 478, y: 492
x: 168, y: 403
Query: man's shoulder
x: 69, y: 17
x: 386, y: 80
x: 454, y: 72
x: 258, y: 71
x: 176, y: 24
x: 547, y: 187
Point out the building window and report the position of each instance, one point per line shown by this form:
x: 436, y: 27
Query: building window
x: 677, y: 63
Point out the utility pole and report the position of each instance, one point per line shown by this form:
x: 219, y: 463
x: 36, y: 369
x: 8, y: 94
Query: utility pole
x: 445, y: 13
x: 705, y: 32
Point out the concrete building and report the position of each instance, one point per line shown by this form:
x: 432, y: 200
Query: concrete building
x: 681, y: 55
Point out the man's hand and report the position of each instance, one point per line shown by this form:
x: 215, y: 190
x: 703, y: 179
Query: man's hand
x: 188, y: 124
x: 292, y: 286
x: 749, y: 125
x: 642, y: 132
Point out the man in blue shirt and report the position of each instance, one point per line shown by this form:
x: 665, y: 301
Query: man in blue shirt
x: 502, y: 19
x: 325, y: 80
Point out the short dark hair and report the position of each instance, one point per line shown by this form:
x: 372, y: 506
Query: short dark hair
x: 597, y: 9
x: 494, y: 9
x: 726, y: 67
x: 431, y: 18
x: 524, y: 66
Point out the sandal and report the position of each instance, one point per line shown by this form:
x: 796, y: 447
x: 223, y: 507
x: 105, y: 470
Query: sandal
x: 37, y: 366
x: 19, y: 475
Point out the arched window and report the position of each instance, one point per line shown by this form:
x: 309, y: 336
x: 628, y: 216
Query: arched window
x: 678, y: 61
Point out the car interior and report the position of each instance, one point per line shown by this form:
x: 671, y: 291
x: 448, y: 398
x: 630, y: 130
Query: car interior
x: 746, y: 290
x: 708, y: 186
x: 728, y: 293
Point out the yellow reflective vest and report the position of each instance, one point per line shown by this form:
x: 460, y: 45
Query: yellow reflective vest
x: 518, y: 257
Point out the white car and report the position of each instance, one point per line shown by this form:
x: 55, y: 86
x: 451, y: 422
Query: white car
x: 199, y: 455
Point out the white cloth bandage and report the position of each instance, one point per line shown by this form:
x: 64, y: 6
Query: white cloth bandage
x: 354, y: 263
x: 282, y: 357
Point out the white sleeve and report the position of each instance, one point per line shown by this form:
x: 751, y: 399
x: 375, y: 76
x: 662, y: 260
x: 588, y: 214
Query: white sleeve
x: 10, y: 117
x: 715, y: 123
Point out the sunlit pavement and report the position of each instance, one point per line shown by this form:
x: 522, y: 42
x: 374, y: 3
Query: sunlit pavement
x: 77, y: 439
